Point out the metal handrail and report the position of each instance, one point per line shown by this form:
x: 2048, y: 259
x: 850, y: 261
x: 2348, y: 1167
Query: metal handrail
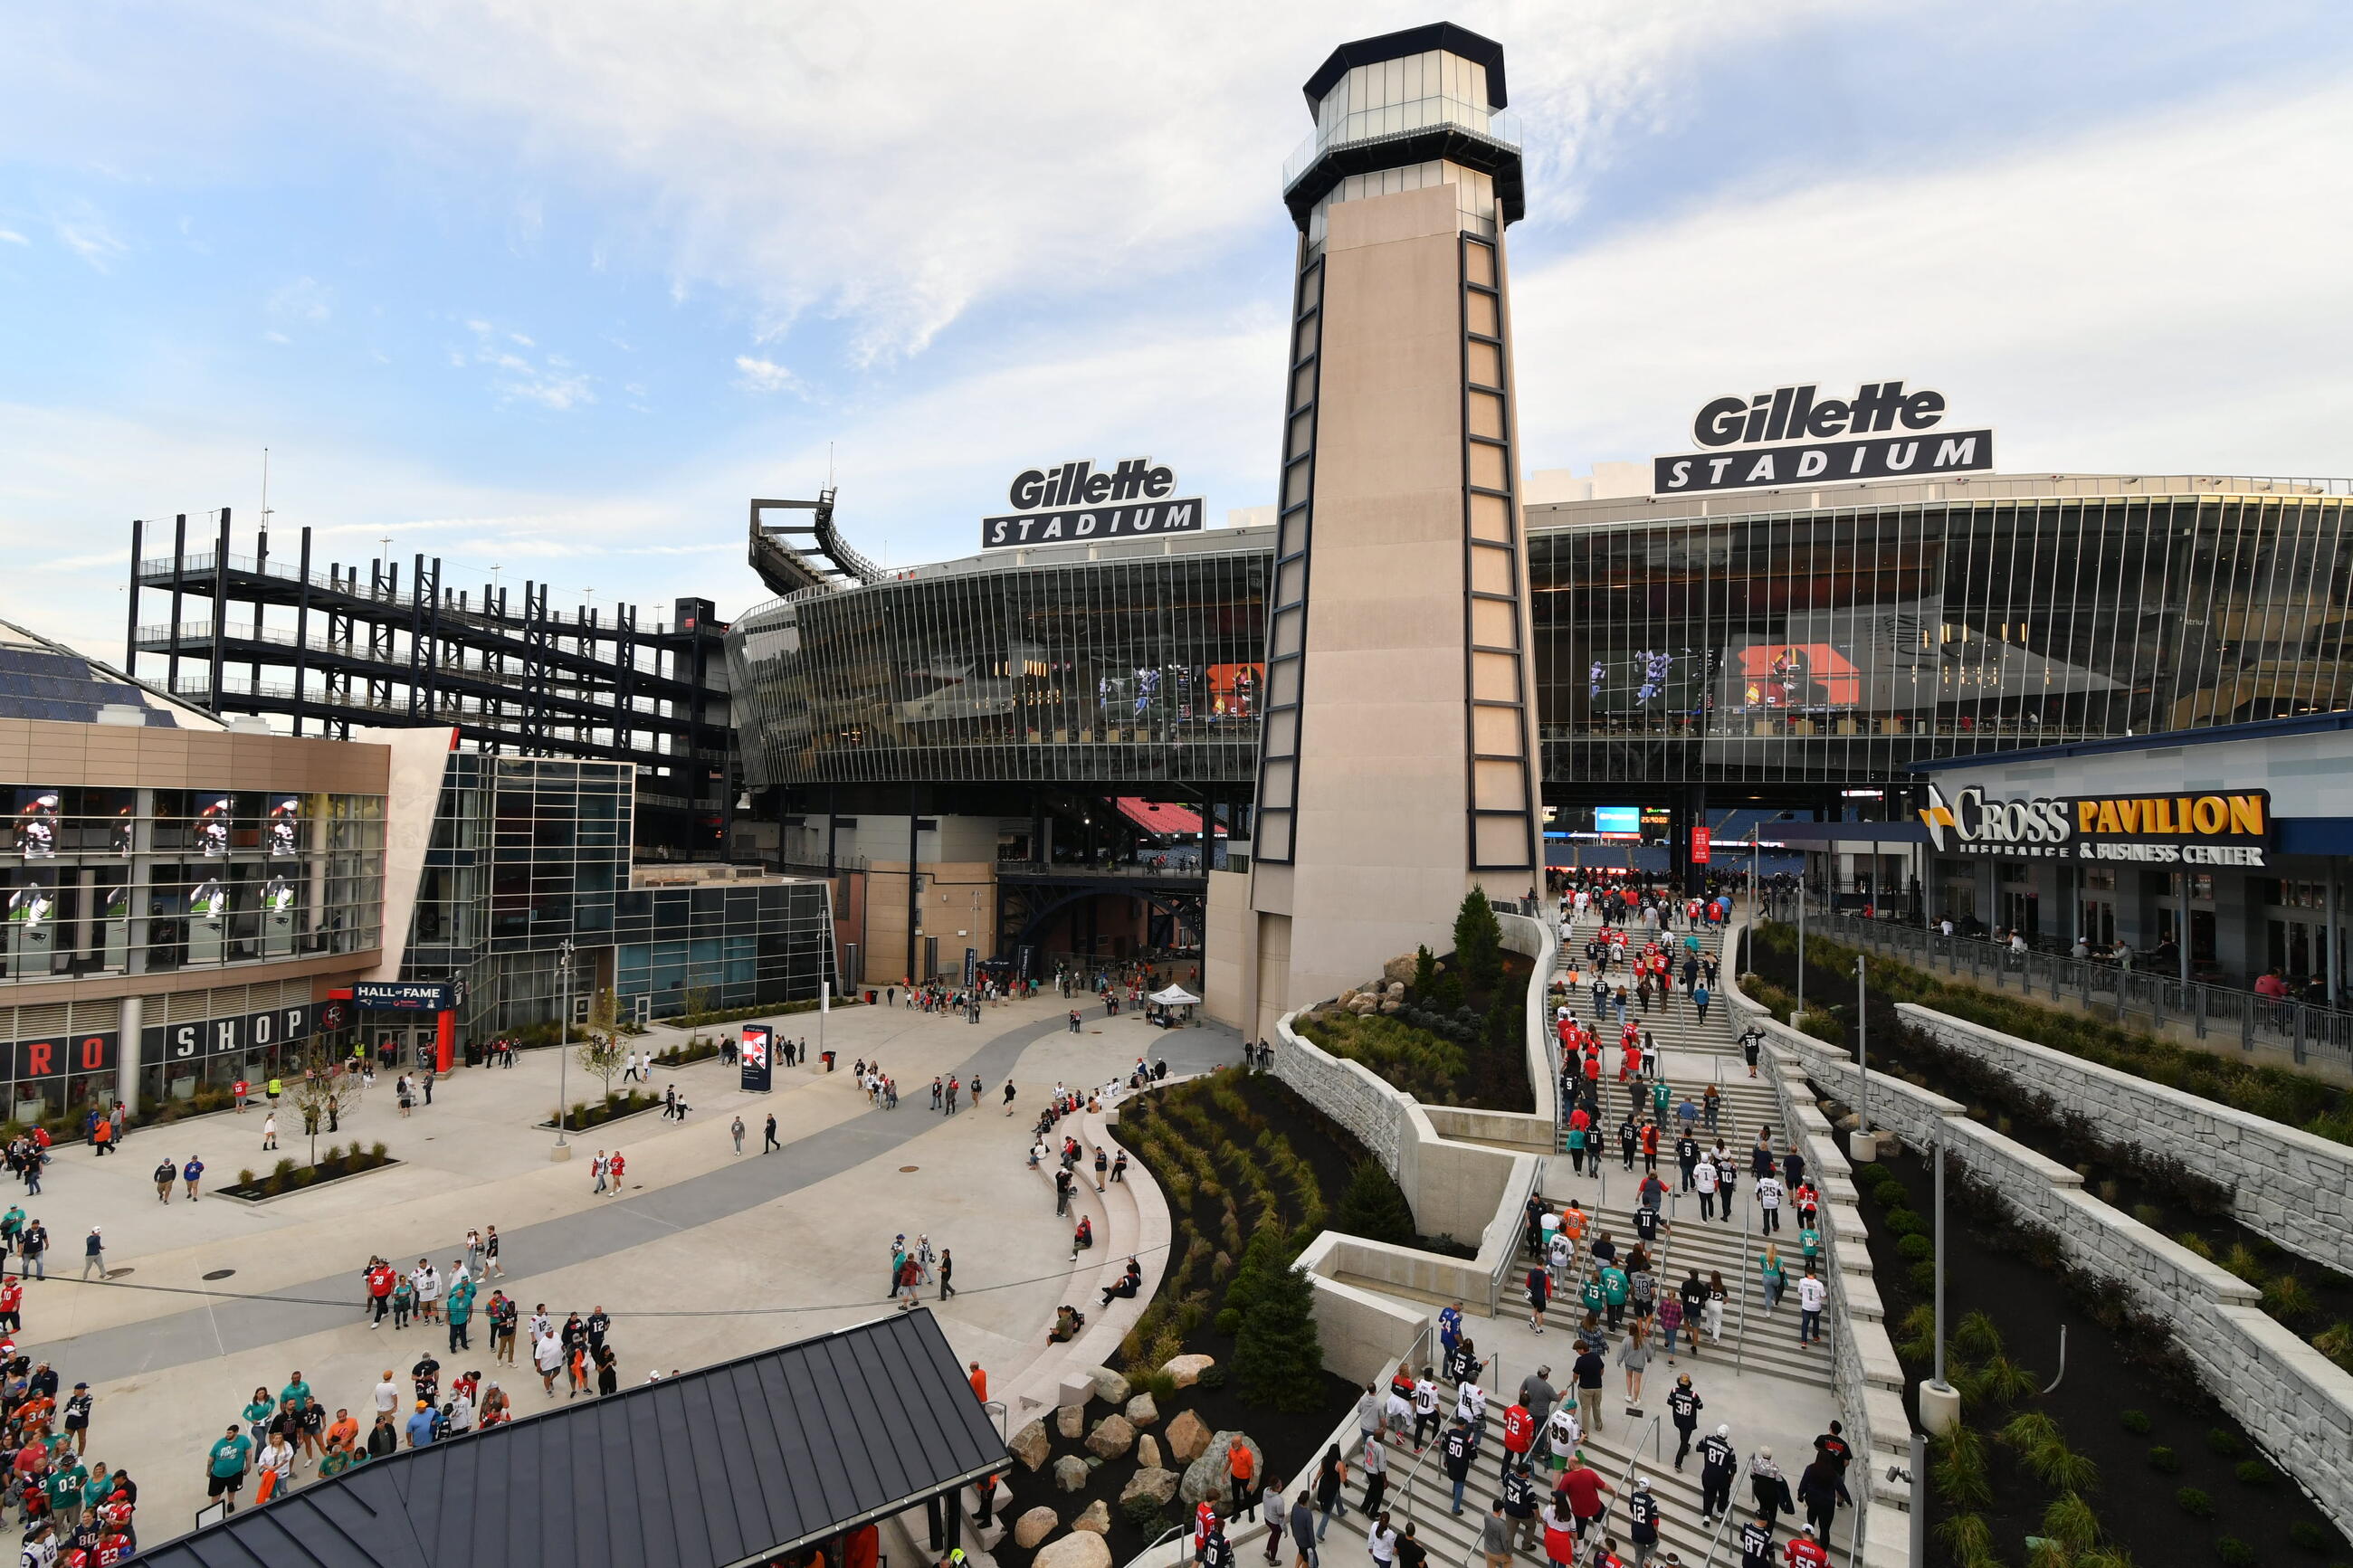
x: 1633, y: 1462
x: 1405, y: 1488
x: 1724, y: 1520
x: 2298, y: 1027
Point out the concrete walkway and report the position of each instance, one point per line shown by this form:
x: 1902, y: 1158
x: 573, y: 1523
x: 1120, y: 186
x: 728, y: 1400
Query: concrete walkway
x: 707, y: 1256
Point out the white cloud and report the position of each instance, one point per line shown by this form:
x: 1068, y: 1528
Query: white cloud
x: 82, y: 230
x: 303, y: 300
x: 274, y: 336
x: 552, y: 382
x: 895, y: 167
x: 767, y: 375
x: 2081, y: 298
x: 10, y: 237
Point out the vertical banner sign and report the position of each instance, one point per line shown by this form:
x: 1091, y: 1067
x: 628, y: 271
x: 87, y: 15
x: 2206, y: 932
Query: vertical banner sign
x: 1702, y: 841
x: 971, y: 967
x: 758, y: 1078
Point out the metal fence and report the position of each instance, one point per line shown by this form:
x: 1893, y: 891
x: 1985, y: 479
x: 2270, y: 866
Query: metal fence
x: 2308, y: 1036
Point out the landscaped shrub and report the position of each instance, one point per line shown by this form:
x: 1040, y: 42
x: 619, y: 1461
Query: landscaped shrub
x: 2223, y: 1441
x: 2234, y: 1552
x: 2255, y: 1473
x: 2134, y: 1421
x: 1916, y: 1247
x: 1277, y: 1356
x: 2195, y: 1504
x: 1374, y: 1207
x: 1891, y: 1194
x: 2164, y: 1459
x: 1143, y: 1514
x: 2308, y: 1535
x: 1905, y: 1222
x: 2280, y: 1094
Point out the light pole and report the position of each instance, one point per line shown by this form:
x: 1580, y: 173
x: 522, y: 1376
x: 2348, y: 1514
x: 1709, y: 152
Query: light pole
x: 1940, y: 1403
x: 562, y: 1150
x: 1864, y: 1145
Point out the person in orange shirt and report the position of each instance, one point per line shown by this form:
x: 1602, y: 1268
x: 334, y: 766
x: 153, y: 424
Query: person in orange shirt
x: 1241, y: 1469
x: 979, y: 1384
x: 343, y: 1430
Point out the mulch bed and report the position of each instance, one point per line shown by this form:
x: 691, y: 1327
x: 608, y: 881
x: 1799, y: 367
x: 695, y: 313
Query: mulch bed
x: 1290, y: 1442
x: 2137, y: 1503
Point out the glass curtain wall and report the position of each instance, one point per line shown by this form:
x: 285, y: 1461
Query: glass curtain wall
x: 1115, y: 670
x: 1831, y: 645
x: 150, y: 882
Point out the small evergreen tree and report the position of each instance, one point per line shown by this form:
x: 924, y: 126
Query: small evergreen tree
x: 1264, y: 1256
x: 1278, y: 1357
x: 1425, y: 973
x: 1478, y: 943
x: 1373, y: 1207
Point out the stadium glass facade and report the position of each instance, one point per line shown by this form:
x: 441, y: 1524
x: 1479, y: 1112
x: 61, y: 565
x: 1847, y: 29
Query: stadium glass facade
x: 1132, y: 668
x: 530, y: 852
x: 1840, y: 646
x: 1763, y: 651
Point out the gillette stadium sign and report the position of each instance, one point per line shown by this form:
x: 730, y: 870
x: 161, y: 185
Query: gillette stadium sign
x: 1077, y: 500
x: 1793, y: 434
x: 2214, y: 829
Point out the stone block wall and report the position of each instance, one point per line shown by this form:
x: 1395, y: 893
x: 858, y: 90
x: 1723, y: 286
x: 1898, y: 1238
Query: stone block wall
x: 2287, y: 1183
x: 2297, y: 1405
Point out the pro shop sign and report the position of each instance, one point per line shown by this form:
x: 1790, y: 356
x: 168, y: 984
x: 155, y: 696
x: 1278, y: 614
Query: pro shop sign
x: 1793, y: 434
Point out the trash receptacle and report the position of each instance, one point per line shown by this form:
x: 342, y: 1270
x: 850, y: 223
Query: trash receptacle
x: 828, y: 1060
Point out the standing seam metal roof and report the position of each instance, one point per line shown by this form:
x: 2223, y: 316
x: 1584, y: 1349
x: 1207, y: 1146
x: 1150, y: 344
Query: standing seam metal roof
x: 728, y: 1465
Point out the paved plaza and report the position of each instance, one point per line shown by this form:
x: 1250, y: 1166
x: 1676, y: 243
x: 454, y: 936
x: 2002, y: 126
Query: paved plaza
x: 705, y: 1255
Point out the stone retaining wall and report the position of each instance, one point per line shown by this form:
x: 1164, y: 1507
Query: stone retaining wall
x: 2297, y: 1405
x: 2288, y: 1184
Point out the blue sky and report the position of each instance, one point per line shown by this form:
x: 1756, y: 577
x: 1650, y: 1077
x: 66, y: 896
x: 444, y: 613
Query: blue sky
x: 555, y: 286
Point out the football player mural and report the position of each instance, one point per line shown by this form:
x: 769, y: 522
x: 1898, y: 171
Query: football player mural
x: 209, y: 901
x: 285, y: 828
x: 35, y: 831
x: 212, y: 826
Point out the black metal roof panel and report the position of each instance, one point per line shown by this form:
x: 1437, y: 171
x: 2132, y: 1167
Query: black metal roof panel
x: 1446, y: 36
x: 723, y: 1466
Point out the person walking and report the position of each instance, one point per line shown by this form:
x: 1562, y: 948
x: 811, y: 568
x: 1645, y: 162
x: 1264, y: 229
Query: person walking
x: 1539, y: 1293
x: 224, y: 1468
x: 947, y: 1274
x: 1717, y: 1465
x: 1585, y: 1489
x: 165, y: 1173
x: 735, y: 1131
x: 1642, y: 1519
x: 1272, y: 1509
x: 1769, y: 1487
x: 270, y: 1130
x: 193, y: 1173
x: 1331, y: 1479
x: 1634, y: 1355
x: 1495, y: 1537
x: 1821, y: 1492
x: 1683, y: 1405
x: 1457, y: 1459
x: 1375, y: 1464
x: 769, y: 1135
x: 93, y: 1254
x: 1587, y: 1372
x: 1811, y: 1295
x: 490, y: 1251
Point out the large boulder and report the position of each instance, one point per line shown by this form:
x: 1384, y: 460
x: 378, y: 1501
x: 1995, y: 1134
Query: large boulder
x: 1147, y: 1452
x: 1110, y: 1387
x: 1187, y: 1368
x: 1070, y: 1420
x: 1030, y: 1444
x: 1142, y: 1410
x: 1071, y: 1472
x: 1097, y: 1518
x: 1205, y: 1478
x: 1398, y: 971
x: 1112, y: 1438
x: 1034, y: 1526
x: 1154, y: 1482
x: 1080, y: 1549
x: 1186, y: 1437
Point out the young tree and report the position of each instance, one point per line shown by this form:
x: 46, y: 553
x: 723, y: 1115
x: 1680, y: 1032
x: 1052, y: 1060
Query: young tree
x: 1277, y: 1356
x: 599, y: 1050
x: 328, y: 1090
x: 1478, y: 943
x: 1373, y: 1207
